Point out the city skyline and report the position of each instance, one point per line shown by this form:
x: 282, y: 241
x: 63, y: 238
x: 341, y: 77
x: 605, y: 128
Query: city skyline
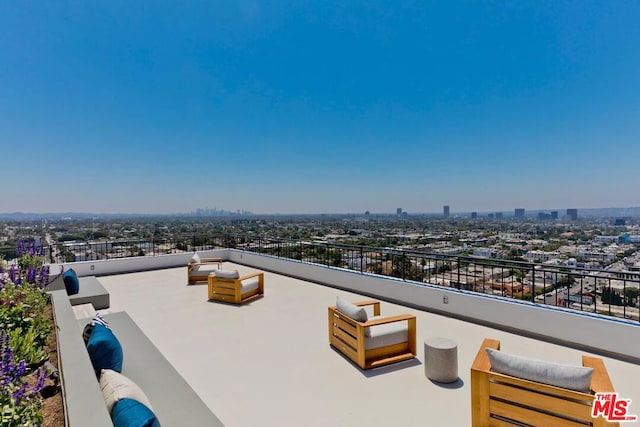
x: 302, y: 108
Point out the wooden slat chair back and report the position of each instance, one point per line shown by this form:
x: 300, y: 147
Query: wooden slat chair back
x: 502, y: 400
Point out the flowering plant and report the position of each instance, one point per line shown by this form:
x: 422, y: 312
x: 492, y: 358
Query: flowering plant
x: 24, y: 330
x: 20, y: 389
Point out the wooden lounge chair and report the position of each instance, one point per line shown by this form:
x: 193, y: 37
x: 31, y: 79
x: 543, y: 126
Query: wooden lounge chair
x: 372, y: 343
x: 504, y: 400
x: 198, y: 269
x: 228, y: 286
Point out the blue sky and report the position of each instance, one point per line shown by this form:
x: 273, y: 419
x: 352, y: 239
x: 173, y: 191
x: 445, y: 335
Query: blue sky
x: 319, y: 106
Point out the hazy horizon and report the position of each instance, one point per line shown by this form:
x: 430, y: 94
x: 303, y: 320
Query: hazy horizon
x: 508, y: 213
x: 342, y: 107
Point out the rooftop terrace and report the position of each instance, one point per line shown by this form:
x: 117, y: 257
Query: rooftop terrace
x: 269, y: 362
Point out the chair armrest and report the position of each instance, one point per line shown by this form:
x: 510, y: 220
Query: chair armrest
x: 374, y: 303
x: 481, y: 362
x: 384, y: 320
x: 600, y: 381
x: 205, y: 262
x: 249, y: 276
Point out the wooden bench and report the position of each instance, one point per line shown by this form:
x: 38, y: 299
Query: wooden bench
x: 503, y: 400
x: 236, y: 290
x: 348, y: 336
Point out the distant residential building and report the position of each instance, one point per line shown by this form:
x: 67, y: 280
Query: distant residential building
x: 519, y: 213
x: 446, y: 211
x: 572, y: 214
x: 486, y: 252
x: 541, y: 255
x: 606, y: 239
x: 597, y: 255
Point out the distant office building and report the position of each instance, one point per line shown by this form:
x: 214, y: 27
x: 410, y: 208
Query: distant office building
x: 399, y: 211
x: 572, y: 214
x: 544, y: 215
x: 498, y: 215
x: 554, y: 214
x: 519, y: 213
x: 446, y: 211
x: 491, y: 215
x: 474, y: 215
x: 620, y: 221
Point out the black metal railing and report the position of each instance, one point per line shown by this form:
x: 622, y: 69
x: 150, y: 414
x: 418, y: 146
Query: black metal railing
x: 592, y: 290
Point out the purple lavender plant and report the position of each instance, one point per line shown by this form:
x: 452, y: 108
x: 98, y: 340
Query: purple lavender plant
x: 12, y: 377
x: 43, y: 277
x: 32, y: 275
x: 20, y: 248
x: 14, y: 275
x: 32, y: 248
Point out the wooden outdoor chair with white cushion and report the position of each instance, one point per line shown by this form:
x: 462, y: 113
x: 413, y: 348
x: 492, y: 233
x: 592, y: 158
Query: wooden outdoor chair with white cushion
x: 198, y: 269
x: 229, y: 286
x: 374, y: 342
x: 508, y: 390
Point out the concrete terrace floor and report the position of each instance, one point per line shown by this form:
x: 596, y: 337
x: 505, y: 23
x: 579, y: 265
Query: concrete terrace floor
x: 268, y: 363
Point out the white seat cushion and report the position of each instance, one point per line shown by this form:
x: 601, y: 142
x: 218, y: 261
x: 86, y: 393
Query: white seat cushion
x: 386, y: 334
x: 249, y: 285
x: 202, y: 270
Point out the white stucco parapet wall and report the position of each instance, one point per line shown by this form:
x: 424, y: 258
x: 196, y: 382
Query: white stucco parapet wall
x: 600, y: 334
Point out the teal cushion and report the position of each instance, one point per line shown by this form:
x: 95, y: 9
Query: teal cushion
x: 71, y: 282
x: 131, y: 413
x: 104, y: 349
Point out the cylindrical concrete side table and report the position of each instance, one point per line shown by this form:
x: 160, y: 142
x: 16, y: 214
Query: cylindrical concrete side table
x: 441, y: 360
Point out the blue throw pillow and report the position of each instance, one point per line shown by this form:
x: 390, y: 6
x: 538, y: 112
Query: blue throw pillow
x: 104, y: 349
x: 131, y: 413
x: 71, y: 282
